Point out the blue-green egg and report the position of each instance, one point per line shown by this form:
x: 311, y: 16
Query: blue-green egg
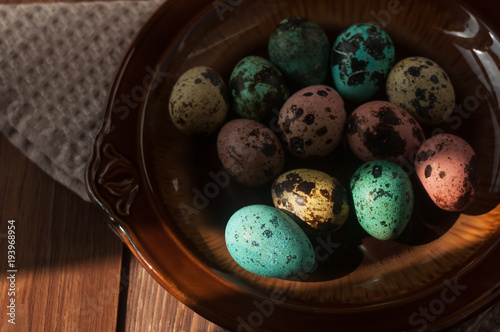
x: 267, y: 242
x: 383, y: 198
x: 300, y: 49
x: 362, y: 57
x: 257, y: 88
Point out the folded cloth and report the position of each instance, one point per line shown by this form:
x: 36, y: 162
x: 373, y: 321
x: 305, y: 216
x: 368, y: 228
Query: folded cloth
x: 56, y: 64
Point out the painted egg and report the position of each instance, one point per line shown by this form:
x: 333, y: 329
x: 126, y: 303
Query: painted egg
x: 381, y: 130
x: 383, y: 198
x: 265, y: 241
x: 362, y: 57
x: 257, y: 89
x: 312, y: 121
x: 319, y: 200
x: 423, y: 88
x: 448, y: 169
x: 199, y: 101
x: 250, y: 152
x: 301, y: 50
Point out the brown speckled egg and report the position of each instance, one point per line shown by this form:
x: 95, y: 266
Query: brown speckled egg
x: 312, y: 121
x: 381, y: 130
x: 448, y: 169
x: 423, y: 88
x: 199, y: 101
x: 318, y: 199
x: 250, y: 151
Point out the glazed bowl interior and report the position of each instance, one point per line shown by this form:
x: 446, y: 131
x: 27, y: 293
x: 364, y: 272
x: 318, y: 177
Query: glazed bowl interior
x: 193, y: 197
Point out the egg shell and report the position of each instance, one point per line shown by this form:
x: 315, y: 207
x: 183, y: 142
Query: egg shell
x: 300, y: 49
x: 422, y: 87
x: 381, y: 130
x: 250, y: 152
x: 448, y: 169
x: 199, y: 101
x: 362, y: 57
x: 265, y: 241
x: 312, y: 121
x: 383, y: 198
x: 257, y: 88
x: 318, y: 199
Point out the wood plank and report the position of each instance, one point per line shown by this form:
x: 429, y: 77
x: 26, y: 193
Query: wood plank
x: 67, y: 259
x: 151, y: 308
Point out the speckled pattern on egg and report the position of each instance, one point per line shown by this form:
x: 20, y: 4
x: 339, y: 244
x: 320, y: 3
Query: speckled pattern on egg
x: 362, y: 57
x: 312, y: 121
x: 257, y: 88
x: 382, y: 130
x: 265, y: 241
x: 423, y: 88
x: 250, y: 151
x: 199, y: 101
x: 315, y: 197
x: 448, y: 168
x: 300, y: 49
x: 383, y: 198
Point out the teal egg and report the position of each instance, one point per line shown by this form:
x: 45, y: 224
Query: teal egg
x: 257, y: 88
x: 265, y: 241
x: 383, y: 198
x: 362, y: 57
x: 300, y: 49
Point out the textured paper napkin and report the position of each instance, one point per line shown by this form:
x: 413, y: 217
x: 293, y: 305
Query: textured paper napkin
x: 56, y: 64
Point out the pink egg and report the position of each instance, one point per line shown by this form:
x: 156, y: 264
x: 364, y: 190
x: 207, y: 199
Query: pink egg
x: 312, y: 121
x: 381, y: 130
x: 250, y: 151
x: 448, y: 169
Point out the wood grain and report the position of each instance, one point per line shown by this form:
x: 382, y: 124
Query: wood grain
x: 151, y: 308
x: 68, y: 261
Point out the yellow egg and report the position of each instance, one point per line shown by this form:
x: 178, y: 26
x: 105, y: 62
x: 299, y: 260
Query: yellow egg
x: 316, y: 198
x: 423, y: 88
x: 198, y: 103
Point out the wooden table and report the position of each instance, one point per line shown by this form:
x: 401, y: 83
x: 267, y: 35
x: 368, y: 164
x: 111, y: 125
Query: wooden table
x: 73, y: 273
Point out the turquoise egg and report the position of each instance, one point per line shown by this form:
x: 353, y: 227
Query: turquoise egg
x: 362, y: 57
x: 265, y: 241
x: 300, y: 49
x: 257, y: 88
x: 383, y: 198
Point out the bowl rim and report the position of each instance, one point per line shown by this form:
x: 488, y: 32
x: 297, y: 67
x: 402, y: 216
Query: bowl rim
x: 114, y: 161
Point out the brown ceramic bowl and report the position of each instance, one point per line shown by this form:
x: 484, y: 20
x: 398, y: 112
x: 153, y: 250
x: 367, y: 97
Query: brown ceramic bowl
x: 164, y: 199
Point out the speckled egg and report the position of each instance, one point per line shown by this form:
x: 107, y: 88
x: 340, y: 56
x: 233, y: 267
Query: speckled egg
x: 383, y: 198
x: 250, y: 152
x: 381, y: 130
x: 362, y: 57
x: 448, y: 169
x: 318, y: 199
x: 199, y: 101
x: 265, y: 241
x: 301, y: 50
x: 423, y: 88
x: 257, y: 88
x: 312, y: 121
